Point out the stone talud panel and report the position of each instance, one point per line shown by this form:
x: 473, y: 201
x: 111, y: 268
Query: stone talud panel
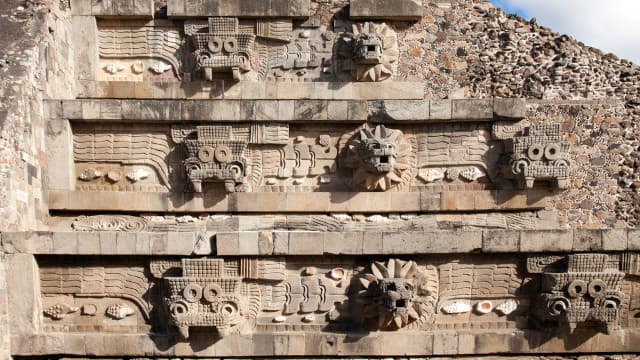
x: 208, y: 306
x: 225, y: 166
x: 202, y: 58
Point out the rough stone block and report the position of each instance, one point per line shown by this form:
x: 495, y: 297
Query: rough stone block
x: 306, y: 243
x: 310, y: 110
x: 372, y: 243
x: 458, y: 201
x: 159, y: 244
x: 143, y: 243
x: 456, y: 241
x: 59, y: 151
x: 123, y: 8
x: 285, y: 110
x: 89, y: 243
x: 248, y: 243
x: 357, y: 111
x: 23, y: 293
x: 445, y: 343
x: 633, y: 240
x: 280, y: 243
x: 430, y: 201
x: 267, y: 110
x: 227, y: 243
x: 546, y: 240
x: 84, y: 33
x: 239, y: 8
x: 406, y: 243
x: 386, y: 9
x: 65, y: 243
x: 102, y: 7
x: 405, y: 110
x: 509, y: 108
x: 72, y: 109
x: 143, y: 8
x: 337, y: 110
x: 125, y: 243
x: 265, y: 243
x: 500, y: 241
x: 180, y: 243
x: 108, y: 243
x: 614, y: 239
x: 472, y: 109
x: 440, y: 110
x: 389, y: 90
x: 81, y: 7
x: 27, y: 242
x: 587, y: 240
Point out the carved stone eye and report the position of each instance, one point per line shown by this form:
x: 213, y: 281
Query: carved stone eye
x: 215, y: 45
x: 536, y: 151
x: 597, y: 288
x: 577, y: 288
x: 231, y: 45
x: 222, y: 153
x: 192, y: 292
x: 229, y: 308
x: 558, y: 306
x: 552, y: 151
x: 178, y: 308
x: 211, y: 292
x: 205, y: 154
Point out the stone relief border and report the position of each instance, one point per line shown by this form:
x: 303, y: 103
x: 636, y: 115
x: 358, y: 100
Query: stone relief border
x: 262, y: 299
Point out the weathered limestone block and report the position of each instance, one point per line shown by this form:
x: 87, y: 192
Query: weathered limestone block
x: 60, y: 152
x: 114, y: 8
x: 23, y: 294
x: 509, y: 108
x: 386, y: 9
x: 240, y: 8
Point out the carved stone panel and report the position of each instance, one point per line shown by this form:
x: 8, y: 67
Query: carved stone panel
x: 579, y: 289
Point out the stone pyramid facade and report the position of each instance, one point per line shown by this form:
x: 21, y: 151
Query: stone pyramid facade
x: 313, y: 178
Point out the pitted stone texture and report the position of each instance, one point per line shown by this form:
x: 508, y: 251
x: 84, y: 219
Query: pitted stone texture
x: 254, y: 243
x: 240, y: 8
x: 386, y: 9
x: 114, y: 8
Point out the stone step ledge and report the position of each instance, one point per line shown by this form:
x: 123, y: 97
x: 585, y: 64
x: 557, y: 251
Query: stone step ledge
x: 251, y: 90
x: 309, y: 202
x: 130, y: 9
x: 294, y: 243
x: 290, y: 110
x: 404, y: 343
x: 386, y: 9
x: 180, y: 9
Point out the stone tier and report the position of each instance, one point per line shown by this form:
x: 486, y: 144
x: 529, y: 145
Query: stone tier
x: 284, y: 243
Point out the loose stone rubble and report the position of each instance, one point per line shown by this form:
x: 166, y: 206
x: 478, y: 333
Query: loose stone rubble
x: 310, y: 178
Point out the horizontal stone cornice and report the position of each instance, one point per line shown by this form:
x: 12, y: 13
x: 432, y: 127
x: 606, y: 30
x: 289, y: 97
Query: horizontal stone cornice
x: 282, y: 243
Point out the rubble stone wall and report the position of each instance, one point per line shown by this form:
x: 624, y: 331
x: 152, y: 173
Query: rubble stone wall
x: 36, y: 65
